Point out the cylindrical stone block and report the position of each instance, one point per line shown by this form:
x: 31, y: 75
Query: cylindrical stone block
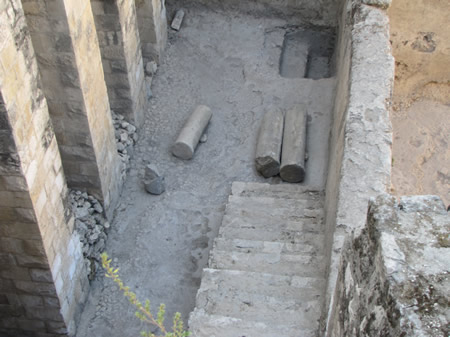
x: 187, y: 141
x: 268, y: 148
x: 294, y: 145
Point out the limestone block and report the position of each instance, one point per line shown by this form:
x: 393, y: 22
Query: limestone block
x: 191, y: 133
x: 177, y: 20
x: 268, y: 148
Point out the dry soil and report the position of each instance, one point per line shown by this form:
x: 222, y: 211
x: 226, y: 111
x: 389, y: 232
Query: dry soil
x: 420, y: 35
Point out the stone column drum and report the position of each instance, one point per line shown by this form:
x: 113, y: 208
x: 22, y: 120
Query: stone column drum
x: 294, y: 145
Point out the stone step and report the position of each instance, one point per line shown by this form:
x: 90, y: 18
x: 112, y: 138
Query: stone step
x: 308, y: 265
x: 274, y: 223
x: 277, y: 242
x: 273, y: 204
x: 253, y: 307
x: 278, y: 191
x: 281, y: 214
x: 202, y: 324
x: 282, y: 287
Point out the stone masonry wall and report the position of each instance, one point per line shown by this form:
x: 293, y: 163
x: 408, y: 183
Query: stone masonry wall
x: 152, y: 21
x: 361, y: 137
x: 92, y: 81
x: 43, y: 279
x: 118, y: 36
x: 316, y: 12
x: 394, y: 279
x: 51, y: 38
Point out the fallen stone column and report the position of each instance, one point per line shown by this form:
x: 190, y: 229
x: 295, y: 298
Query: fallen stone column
x: 268, y: 148
x: 189, y: 137
x: 294, y: 145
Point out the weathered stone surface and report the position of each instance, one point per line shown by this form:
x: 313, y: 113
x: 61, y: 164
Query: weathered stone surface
x: 266, y: 275
x: 153, y: 181
x: 151, y: 68
x: 91, y: 226
x: 394, y: 278
x: 268, y: 147
x: 359, y: 165
x: 294, y: 145
x: 189, y: 137
x: 177, y: 20
x: 378, y: 3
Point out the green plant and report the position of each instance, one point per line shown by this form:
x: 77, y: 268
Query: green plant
x: 143, y: 311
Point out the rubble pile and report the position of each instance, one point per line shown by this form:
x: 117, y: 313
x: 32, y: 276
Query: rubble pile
x: 126, y: 136
x: 91, y: 225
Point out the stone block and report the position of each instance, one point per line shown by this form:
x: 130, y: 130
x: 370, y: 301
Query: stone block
x: 31, y: 300
x: 31, y: 324
x: 32, y: 261
x: 15, y: 273
x: 35, y: 288
x: 33, y: 248
x: 43, y: 313
x: 41, y: 275
x: 10, y: 245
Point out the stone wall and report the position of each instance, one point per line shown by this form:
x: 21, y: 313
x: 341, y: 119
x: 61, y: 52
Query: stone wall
x: 152, y: 21
x: 64, y: 37
x: 118, y: 36
x: 322, y: 13
x: 394, y: 277
x: 43, y: 279
x: 361, y: 136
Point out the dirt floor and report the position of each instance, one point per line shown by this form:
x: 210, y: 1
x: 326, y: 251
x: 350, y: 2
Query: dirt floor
x: 420, y: 35
x: 229, y: 62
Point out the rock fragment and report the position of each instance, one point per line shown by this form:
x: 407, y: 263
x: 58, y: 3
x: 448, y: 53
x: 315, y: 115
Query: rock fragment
x: 153, y: 181
x: 178, y: 20
x: 91, y: 226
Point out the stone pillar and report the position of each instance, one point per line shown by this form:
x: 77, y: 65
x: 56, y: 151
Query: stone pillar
x: 66, y: 45
x: 43, y: 280
x: 152, y: 22
x: 118, y: 36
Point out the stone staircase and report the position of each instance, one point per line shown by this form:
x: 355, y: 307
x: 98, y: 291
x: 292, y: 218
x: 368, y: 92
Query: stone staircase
x: 266, y: 269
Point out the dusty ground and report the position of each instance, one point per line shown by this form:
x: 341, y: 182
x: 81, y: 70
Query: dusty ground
x: 420, y: 37
x: 161, y: 243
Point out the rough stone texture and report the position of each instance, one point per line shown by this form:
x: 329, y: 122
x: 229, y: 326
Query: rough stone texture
x: 321, y: 13
x: 152, y: 22
x: 394, y: 278
x: 361, y: 137
x: 92, y: 228
x: 153, y: 181
x: 266, y: 269
x: 126, y: 138
x: 118, y: 35
x: 268, y: 147
x: 42, y: 275
x: 63, y: 34
x: 378, y: 3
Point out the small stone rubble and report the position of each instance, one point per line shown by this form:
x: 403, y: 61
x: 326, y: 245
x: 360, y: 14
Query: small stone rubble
x: 126, y: 136
x: 92, y: 227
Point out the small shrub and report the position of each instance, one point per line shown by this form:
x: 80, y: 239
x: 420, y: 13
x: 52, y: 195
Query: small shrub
x: 143, y: 311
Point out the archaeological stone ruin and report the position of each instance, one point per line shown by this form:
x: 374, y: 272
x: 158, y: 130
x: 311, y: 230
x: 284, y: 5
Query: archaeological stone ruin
x: 232, y: 157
